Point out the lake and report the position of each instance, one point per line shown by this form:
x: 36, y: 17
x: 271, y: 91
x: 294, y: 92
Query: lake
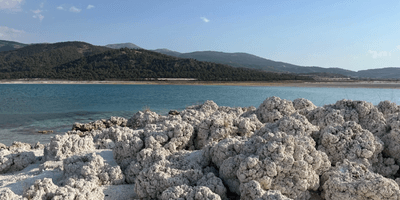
x: 26, y: 109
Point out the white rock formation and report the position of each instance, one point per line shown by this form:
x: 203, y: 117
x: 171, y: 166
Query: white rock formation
x: 64, y: 146
x: 16, y: 157
x: 350, y: 141
x: 100, y: 124
x: 274, y: 108
x: 351, y: 180
x: 185, y: 192
x: 92, y: 168
x: 141, y: 119
x: 281, y: 150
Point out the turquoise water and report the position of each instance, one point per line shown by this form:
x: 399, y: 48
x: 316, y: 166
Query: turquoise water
x: 27, y: 109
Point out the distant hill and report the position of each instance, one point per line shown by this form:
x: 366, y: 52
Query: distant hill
x: 83, y: 61
x: 37, y: 58
x: 10, y: 45
x: 123, y: 45
x: 382, y: 73
x: 255, y: 62
x: 252, y: 61
x: 168, y: 52
x: 50, y: 55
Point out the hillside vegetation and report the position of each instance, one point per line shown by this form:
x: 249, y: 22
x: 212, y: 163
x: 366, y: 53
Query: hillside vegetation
x: 83, y: 61
x: 10, y: 45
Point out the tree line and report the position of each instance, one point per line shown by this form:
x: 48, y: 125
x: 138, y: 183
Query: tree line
x: 82, y: 61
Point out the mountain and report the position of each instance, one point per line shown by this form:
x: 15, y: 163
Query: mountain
x: 83, y: 61
x: 382, y: 73
x: 10, y: 45
x: 254, y: 62
x: 168, y: 52
x: 43, y: 57
x: 123, y: 45
x: 47, y: 56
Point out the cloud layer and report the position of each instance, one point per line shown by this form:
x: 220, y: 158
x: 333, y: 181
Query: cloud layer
x: 74, y: 9
x: 379, y: 54
x: 204, y: 19
x: 7, y: 33
x: 13, y: 5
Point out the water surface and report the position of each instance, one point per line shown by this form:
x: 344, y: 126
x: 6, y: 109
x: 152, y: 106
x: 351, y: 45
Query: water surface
x: 26, y: 109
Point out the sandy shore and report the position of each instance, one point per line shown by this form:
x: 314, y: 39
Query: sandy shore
x: 355, y: 84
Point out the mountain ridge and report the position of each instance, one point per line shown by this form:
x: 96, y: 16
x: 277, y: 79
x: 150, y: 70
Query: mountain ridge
x: 246, y: 60
x: 123, y: 45
x: 6, y: 45
x: 83, y: 61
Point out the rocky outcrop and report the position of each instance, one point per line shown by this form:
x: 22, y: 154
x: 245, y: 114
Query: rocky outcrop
x: 16, y: 156
x: 274, y: 108
x: 64, y: 146
x: 100, y: 124
x: 15, y: 161
x: 352, y: 180
x: 281, y: 150
x: 79, y: 189
x: 92, y: 168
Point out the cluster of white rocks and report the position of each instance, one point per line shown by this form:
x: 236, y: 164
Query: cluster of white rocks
x: 281, y: 150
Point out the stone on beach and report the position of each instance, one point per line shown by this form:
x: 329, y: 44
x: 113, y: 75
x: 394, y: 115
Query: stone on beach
x: 281, y: 150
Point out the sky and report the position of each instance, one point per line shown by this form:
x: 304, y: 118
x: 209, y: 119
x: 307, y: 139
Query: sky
x: 352, y: 34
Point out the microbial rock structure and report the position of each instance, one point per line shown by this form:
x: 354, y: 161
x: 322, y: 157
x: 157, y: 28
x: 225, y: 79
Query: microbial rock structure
x: 281, y: 150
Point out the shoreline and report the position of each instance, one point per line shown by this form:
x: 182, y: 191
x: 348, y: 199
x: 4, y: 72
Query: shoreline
x: 137, y: 158
x: 355, y: 84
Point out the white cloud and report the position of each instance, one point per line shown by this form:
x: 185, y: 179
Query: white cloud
x: 13, y: 5
x: 60, y: 8
x: 7, y: 33
x: 380, y: 54
x: 36, y: 11
x: 205, y: 19
x: 42, y: 5
x: 90, y: 6
x: 398, y: 47
x: 37, y: 14
x: 74, y: 9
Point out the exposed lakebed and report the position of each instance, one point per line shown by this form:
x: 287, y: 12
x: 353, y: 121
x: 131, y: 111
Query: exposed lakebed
x: 280, y: 150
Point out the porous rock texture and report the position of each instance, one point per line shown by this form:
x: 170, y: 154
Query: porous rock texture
x: 92, y: 168
x: 274, y: 108
x: 352, y: 180
x: 64, y: 146
x: 253, y: 190
x: 303, y: 106
x: 141, y: 119
x: 8, y: 194
x: 392, y: 138
x: 363, y: 113
x: 100, y: 124
x: 387, y: 108
x: 16, y: 157
x: 79, y: 190
x: 183, y: 192
x: 350, y: 141
x: 281, y: 150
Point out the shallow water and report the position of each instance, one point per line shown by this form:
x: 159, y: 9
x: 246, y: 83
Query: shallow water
x: 26, y: 109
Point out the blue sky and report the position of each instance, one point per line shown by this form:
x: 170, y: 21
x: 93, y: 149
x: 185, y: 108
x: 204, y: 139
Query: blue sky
x: 351, y: 34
